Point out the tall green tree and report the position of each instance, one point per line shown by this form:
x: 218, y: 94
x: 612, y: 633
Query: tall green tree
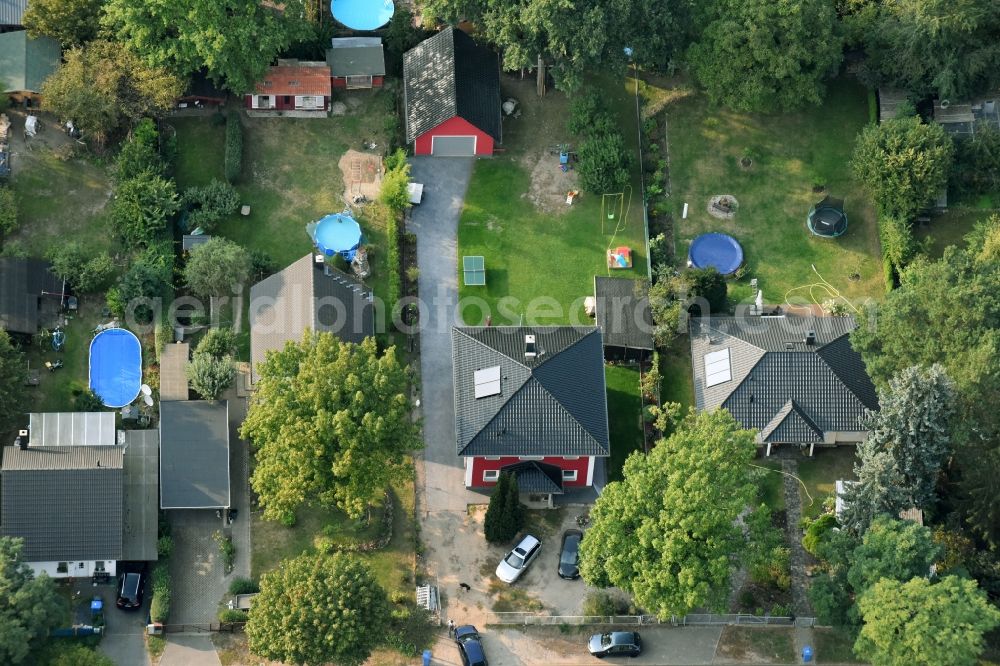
x: 909, y: 438
x: 767, y: 55
x: 603, y: 163
x: 943, y: 47
x: 217, y: 268
x: 513, y: 511
x: 8, y: 213
x: 903, y: 163
x: 101, y: 86
x: 918, y: 324
x: 330, y: 423
x: 29, y: 607
x: 13, y: 373
x: 71, y: 23
x: 235, y: 40
x: 919, y: 623
x: 493, y: 520
x: 316, y: 610
x: 142, y: 206
x: 210, y: 204
x: 666, y: 533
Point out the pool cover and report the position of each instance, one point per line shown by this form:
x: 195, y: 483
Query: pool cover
x: 362, y: 14
x: 337, y: 233
x: 116, y: 366
x: 721, y: 251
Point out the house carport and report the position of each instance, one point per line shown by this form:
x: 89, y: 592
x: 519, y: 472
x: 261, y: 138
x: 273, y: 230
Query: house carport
x: 194, y: 454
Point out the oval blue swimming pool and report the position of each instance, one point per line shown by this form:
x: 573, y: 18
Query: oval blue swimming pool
x: 362, y: 14
x: 116, y: 366
x: 721, y: 251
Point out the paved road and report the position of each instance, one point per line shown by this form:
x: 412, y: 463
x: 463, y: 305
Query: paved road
x: 435, y: 222
x: 189, y: 650
x: 197, y: 572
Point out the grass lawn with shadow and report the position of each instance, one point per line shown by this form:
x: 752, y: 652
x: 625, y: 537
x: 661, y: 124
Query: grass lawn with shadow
x: 950, y: 228
x: 770, y: 484
x: 834, y: 646
x: 533, y: 255
x: 677, y: 384
x: 746, y: 645
x: 820, y: 474
x: 792, y: 155
x: 624, y: 416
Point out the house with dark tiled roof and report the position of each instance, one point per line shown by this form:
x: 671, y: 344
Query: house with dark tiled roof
x: 531, y: 401
x: 451, y: 96
x: 309, y: 294
x: 356, y: 62
x: 796, y: 380
x: 622, y: 312
x: 30, y: 295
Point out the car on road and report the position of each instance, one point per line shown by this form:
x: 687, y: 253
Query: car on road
x: 131, y: 589
x: 470, y: 647
x: 615, y: 644
x: 516, y: 561
x: 569, y: 554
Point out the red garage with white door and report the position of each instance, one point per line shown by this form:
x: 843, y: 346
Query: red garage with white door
x: 451, y: 89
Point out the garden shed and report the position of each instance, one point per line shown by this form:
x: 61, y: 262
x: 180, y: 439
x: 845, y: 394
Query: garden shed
x: 451, y: 96
x: 356, y: 62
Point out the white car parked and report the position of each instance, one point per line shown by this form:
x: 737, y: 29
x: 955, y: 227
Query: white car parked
x: 517, y: 560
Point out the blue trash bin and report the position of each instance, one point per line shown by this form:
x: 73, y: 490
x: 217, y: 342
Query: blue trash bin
x: 427, y: 658
x: 807, y: 654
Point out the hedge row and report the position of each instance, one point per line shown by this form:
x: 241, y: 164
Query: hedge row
x: 395, y: 262
x: 234, y: 147
x: 159, y: 609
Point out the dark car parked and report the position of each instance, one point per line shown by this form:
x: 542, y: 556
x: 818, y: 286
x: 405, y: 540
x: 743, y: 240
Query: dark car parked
x: 615, y: 644
x: 470, y: 648
x: 569, y: 554
x: 130, y: 590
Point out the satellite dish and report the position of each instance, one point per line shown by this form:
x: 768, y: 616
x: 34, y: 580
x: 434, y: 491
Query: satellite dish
x: 148, y: 399
x: 146, y: 390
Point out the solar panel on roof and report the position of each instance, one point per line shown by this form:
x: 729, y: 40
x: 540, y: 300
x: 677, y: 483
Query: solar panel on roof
x: 487, y: 382
x: 717, y: 369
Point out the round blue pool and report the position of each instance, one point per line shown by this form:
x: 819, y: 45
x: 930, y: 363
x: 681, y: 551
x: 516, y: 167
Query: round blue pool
x: 362, y: 14
x: 116, y: 366
x: 721, y: 251
x: 337, y: 233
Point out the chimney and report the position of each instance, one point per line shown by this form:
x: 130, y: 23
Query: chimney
x: 22, y: 439
x: 530, y: 350
x: 98, y: 462
x: 810, y: 338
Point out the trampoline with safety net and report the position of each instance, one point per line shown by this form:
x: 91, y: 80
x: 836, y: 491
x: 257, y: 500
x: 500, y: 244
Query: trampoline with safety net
x: 827, y: 218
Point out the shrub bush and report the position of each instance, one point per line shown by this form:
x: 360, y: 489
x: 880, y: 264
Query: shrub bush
x: 159, y: 609
x: 395, y: 262
x: 234, y: 147
x: 242, y: 585
x: 164, y: 546
x: 604, y: 603
x: 400, y: 597
x: 84, y: 271
x: 232, y: 615
x: 218, y: 342
x: 210, y: 204
x: 226, y: 548
x: 603, y: 163
x: 141, y: 208
x: 582, y: 111
x: 817, y: 531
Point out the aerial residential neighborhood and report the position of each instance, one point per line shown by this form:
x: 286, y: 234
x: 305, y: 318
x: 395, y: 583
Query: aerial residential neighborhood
x: 461, y: 332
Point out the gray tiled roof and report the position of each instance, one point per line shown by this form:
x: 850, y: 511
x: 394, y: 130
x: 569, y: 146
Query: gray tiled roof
x: 62, y: 503
x: 356, y: 56
x: 194, y: 454
x: 302, y: 297
x: 141, y: 504
x: 787, y: 389
x: 72, y: 428
x: 622, y: 312
x: 22, y: 282
x: 12, y: 11
x: 553, y: 404
x: 449, y: 75
x: 536, y: 477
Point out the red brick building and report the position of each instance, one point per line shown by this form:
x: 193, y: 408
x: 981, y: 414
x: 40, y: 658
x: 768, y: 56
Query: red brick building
x: 293, y: 88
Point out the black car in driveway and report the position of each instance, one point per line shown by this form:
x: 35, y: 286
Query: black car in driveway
x: 470, y: 648
x: 569, y: 554
x: 615, y: 644
x: 131, y: 589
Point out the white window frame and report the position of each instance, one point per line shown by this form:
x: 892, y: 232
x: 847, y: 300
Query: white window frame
x: 310, y: 102
x: 569, y: 475
x: 357, y: 81
x: 475, y: 140
x: 491, y: 475
x: 255, y: 102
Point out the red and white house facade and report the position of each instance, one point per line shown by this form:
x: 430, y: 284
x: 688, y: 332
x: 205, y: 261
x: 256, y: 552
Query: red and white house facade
x: 300, y: 89
x: 530, y: 401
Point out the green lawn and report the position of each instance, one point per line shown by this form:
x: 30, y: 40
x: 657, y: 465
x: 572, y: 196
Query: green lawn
x: 393, y: 565
x: 820, y: 474
x: 677, y: 384
x: 791, y: 154
x: 624, y: 416
x: 834, y: 647
x: 950, y: 228
x: 544, y: 261
x: 59, y: 200
x: 770, y: 484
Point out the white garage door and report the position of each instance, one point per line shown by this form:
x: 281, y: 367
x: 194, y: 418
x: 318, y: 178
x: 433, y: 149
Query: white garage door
x: 453, y: 146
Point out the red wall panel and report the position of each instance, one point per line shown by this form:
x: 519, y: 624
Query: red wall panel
x: 454, y: 127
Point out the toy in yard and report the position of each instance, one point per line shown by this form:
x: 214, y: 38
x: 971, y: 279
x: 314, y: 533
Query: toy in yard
x: 336, y: 233
x: 52, y: 366
x: 612, y: 208
x: 58, y: 339
x: 620, y: 257
x: 570, y: 196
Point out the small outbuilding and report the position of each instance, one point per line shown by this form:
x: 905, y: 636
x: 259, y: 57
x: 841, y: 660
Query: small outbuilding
x: 30, y: 295
x: 623, y: 315
x: 451, y: 96
x: 292, y: 88
x: 201, y: 92
x: 356, y: 62
x: 26, y: 62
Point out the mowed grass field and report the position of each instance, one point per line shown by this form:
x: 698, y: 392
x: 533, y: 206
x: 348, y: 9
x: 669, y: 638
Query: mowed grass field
x: 792, y: 154
x: 534, y: 255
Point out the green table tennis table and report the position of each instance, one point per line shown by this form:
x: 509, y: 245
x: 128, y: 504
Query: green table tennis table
x: 474, y: 270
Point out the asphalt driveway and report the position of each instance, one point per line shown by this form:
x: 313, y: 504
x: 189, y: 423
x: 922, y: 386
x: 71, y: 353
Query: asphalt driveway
x: 123, y: 641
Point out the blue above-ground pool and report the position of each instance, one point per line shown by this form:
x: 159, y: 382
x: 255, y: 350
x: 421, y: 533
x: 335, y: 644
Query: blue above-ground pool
x: 116, y: 366
x: 362, y: 14
x: 337, y: 233
x: 721, y: 251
